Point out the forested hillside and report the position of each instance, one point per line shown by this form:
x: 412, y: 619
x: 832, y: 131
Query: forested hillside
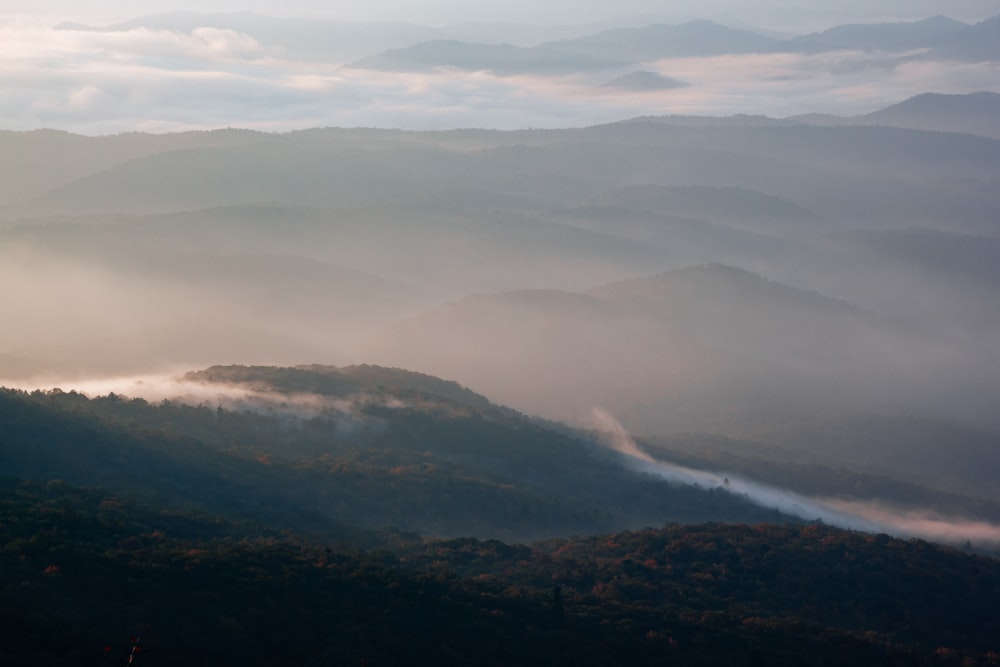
x: 317, y: 448
x: 88, y: 574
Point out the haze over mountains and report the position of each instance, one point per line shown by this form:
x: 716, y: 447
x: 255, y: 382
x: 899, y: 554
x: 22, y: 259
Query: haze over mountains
x: 331, y: 40
x: 687, y: 274
x: 823, y: 250
x: 283, y: 73
x: 303, y: 315
x: 935, y: 37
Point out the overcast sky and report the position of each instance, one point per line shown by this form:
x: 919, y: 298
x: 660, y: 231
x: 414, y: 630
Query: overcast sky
x: 206, y: 77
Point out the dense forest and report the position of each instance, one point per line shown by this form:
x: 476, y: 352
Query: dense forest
x: 85, y: 572
x: 324, y: 516
x: 319, y: 447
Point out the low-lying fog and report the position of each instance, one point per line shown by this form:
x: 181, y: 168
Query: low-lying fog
x: 732, y: 275
x: 348, y: 414
x: 866, y: 516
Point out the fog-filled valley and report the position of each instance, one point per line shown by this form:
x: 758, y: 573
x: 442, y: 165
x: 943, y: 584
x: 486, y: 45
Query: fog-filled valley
x: 583, y: 359
x: 700, y: 277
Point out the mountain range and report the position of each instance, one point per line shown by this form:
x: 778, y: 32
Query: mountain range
x: 975, y: 113
x: 826, y: 268
x: 512, y: 48
x: 937, y: 36
x: 704, y: 390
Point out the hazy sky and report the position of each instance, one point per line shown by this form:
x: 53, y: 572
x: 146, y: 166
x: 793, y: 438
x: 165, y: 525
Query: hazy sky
x: 160, y: 80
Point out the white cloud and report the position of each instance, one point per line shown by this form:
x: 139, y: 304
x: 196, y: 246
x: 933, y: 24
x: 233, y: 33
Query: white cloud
x: 228, y: 43
x: 840, y: 82
x: 84, y: 97
x: 105, y: 82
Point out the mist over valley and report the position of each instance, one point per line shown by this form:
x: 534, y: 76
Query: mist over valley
x: 684, y: 277
x: 603, y: 339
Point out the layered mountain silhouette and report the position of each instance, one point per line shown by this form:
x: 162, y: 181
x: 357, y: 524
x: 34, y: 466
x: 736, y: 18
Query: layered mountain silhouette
x: 973, y: 113
x: 643, y: 81
x: 327, y: 244
x: 936, y: 37
x: 927, y: 33
x: 684, y: 336
x: 655, y: 42
x: 500, y: 59
x: 977, y: 43
x: 864, y: 173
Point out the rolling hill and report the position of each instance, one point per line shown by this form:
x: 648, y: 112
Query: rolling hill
x: 324, y: 449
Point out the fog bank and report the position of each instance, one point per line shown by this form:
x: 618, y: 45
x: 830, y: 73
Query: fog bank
x: 850, y: 514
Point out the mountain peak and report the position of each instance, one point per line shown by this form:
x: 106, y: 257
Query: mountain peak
x: 973, y: 113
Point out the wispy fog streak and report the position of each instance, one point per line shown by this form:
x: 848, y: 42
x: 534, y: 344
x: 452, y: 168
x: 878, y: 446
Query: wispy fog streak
x: 852, y: 515
x: 226, y: 396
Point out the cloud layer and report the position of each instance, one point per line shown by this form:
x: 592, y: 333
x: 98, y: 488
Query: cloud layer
x: 95, y: 82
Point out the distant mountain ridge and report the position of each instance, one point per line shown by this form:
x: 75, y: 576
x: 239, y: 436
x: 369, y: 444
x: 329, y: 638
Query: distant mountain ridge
x: 926, y: 33
x: 644, y: 81
x: 980, y: 42
x: 342, y: 381
x: 322, y: 169
x: 937, y: 35
x: 609, y: 49
x: 696, y: 331
x: 406, y: 47
x: 655, y: 42
x: 727, y: 284
x: 365, y: 245
x: 499, y: 59
x: 975, y: 113
x: 972, y: 113
x: 721, y: 204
